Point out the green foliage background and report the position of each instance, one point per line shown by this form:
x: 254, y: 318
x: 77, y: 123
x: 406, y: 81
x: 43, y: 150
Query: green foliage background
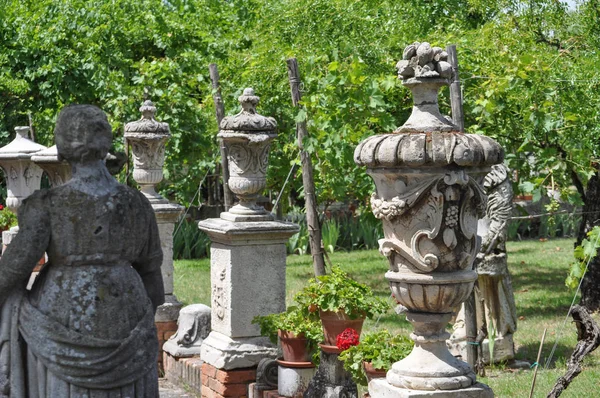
x: 530, y: 74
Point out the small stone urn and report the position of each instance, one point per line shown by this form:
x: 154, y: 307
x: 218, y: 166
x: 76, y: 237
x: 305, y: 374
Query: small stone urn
x: 429, y: 198
x: 247, y: 137
x: 23, y: 177
x: 147, y: 137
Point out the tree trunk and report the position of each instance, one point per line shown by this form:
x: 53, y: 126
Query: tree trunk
x: 312, y: 217
x: 590, y: 291
x: 220, y: 114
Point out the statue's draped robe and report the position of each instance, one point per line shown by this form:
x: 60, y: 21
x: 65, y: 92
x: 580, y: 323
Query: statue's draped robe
x: 86, y: 328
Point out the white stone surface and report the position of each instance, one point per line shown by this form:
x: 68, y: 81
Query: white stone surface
x: 292, y: 381
x: 223, y: 352
x: 381, y: 389
x: 247, y: 280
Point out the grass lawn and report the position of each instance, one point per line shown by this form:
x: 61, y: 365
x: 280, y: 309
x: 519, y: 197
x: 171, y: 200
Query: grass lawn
x: 538, y: 272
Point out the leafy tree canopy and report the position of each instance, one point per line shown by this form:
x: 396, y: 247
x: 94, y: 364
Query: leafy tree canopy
x: 529, y: 71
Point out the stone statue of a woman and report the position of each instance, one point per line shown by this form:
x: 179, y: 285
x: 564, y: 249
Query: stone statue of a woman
x: 86, y: 327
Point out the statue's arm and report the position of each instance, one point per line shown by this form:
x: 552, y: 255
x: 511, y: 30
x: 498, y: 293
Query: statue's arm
x: 149, y: 262
x: 28, y: 246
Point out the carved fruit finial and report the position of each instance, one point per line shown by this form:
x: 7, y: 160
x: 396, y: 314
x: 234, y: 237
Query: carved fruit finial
x: 249, y: 100
x: 148, y: 110
x: 422, y: 60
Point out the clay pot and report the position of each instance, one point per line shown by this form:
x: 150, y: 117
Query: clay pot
x: 335, y: 323
x: 295, y: 348
x: 373, y: 373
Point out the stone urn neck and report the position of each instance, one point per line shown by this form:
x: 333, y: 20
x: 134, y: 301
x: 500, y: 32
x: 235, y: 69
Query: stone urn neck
x: 426, y: 116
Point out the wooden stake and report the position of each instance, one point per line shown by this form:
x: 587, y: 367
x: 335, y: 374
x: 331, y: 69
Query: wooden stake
x: 537, y: 361
x: 220, y: 114
x: 455, y: 94
x: 458, y: 119
x: 312, y: 217
x: 31, y: 131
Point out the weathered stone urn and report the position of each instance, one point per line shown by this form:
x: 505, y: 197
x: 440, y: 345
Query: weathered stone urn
x: 147, y: 137
x: 23, y: 177
x: 429, y: 198
x: 247, y: 137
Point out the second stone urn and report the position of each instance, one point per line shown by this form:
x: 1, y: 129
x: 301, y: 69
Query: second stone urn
x: 247, y: 138
x: 429, y: 198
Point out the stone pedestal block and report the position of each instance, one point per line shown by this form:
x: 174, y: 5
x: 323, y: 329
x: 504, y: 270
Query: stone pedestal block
x: 380, y: 388
x: 247, y: 280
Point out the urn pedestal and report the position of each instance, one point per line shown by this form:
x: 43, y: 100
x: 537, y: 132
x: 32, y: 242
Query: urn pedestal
x: 429, y: 197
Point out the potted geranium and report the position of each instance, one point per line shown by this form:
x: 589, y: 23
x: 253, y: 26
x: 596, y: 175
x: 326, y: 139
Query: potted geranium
x: 297, y: 333
x: 374, y: 355
x: 7, y: 218
x: 340, y: 302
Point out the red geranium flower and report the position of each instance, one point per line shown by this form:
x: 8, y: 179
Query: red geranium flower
x: 347, y: 339
x: 1, y: 207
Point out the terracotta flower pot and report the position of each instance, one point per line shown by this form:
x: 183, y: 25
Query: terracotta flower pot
x: 335, y: 323
x: 373, y: 373
x: 295, y: 348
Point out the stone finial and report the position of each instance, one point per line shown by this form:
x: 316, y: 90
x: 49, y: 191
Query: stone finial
x: 147, y: 124
x: 248, y: 120
x: 421, y: 60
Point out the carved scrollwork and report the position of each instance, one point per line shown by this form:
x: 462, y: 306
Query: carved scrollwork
x: 450, y: 212
x: 148, y: 154
x: 267, y: 373
x: 245, y: 159
x: 218, y: 296
x: 434, y: 211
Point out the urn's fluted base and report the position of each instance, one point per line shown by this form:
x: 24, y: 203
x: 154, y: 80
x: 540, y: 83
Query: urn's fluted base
x: 430, y: 366
x: 247, y: 211
x: 380, y: 388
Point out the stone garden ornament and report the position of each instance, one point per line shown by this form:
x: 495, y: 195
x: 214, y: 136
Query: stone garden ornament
x: 495, y: 302
x: 429, y: 198
x: 247, y: 137
x: 86, y: 327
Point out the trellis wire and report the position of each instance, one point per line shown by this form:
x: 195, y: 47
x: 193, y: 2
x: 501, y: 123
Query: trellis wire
x: 192, y: 201
x: 284, y: 185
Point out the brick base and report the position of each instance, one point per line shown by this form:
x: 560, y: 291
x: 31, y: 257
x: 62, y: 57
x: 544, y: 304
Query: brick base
x: 164, y: 331
x: 206, y: 380
x: 219, y: 383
